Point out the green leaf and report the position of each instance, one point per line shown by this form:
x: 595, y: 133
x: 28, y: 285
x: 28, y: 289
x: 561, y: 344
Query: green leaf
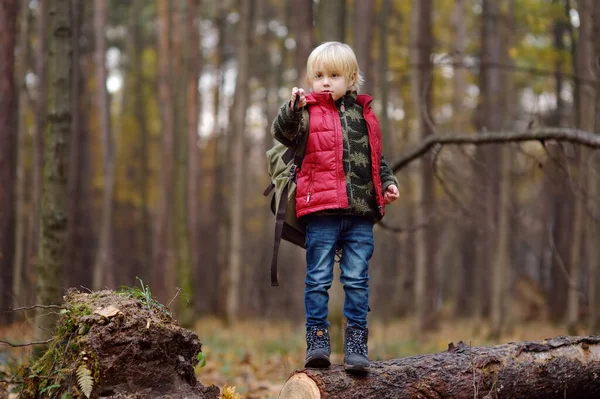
x: 201, y: 359
x: 48, y: 388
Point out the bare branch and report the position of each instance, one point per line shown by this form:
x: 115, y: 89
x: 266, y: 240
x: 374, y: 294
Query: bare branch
x: 175, y: 297
x: 27, y: 344
x: 560, y: 134
x: 38, y: 307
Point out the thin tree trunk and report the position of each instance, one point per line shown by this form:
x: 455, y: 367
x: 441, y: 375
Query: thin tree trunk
x: 585, y: 61
x: 238, y: 135
x: 8, y: 161
x: 145, y: 230
x: 593, y: 229
x: 56, y: 170
x: 23, y: 147
x: 489, y: 172
x: 193, y: 109
x: 41, y: 105
x: 302, y: 25
x: 75, y: 242
x: 331, y: 20
x: 464, y: 277
x: 384, y: 120
x: 502, y: 250
x: 363, y: 40
x: 218, y: 209
x: 162, y: 270
x: 422, y: 81
x: 103, y: 268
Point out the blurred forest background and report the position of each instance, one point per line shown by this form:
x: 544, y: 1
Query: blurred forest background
x: 133, y: 137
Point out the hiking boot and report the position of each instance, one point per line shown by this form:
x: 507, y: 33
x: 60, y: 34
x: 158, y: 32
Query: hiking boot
x: 318, y: 348
x: 356, y: 352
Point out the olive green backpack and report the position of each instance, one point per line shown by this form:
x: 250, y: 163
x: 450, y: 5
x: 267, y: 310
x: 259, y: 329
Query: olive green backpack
x: 282, y: 163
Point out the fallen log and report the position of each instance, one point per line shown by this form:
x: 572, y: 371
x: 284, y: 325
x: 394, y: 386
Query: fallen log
x: 561, y: 367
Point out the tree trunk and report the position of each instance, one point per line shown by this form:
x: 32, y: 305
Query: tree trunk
x: 8, y: 150
x: 41, y: 105
x: 502, y: 249
x: 144, y: 228
x: 363, y: 40
x: 464, y: 278
x: 23, y: 148
x: 162, y: 269
x: 586, y: 111
x: 103, y: 267
x: 422, y: 80
x: 331, y: 19
x: 74, y: 242
x: 54, y: 209
x: 193, y: 109
x: 594, y: 187
x: 237, y: 130
x: 302, y: 24
x: 564, y: 367
x: 488, y: 158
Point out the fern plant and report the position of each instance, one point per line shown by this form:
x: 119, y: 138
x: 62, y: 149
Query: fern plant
x: 85, y: 381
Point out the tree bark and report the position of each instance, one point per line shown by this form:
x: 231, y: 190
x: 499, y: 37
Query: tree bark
x: 23, y: 148
x: 162, y: 271
x: 103, y: 267
x: 193, y: 110
x: 586, y: 111
x: 8, y: 150
x: 302, y: 25
x: 54, y: 209
x: 593, y: 228
x: 556, y: 368
x: 422, y: 82
x: 238, y: 127
x: 363, y: 41
x: 331, y: 19
x: 41, y: 105
x: 141, y: 117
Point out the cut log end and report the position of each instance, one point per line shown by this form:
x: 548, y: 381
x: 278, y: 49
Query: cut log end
x: 300, y: 386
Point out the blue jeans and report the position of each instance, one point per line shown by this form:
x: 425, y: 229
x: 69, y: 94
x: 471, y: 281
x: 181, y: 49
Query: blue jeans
x: 354, y: 235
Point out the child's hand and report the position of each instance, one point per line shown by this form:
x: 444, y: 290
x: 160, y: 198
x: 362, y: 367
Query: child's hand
x: 391, y: 194
x: 302, y: 100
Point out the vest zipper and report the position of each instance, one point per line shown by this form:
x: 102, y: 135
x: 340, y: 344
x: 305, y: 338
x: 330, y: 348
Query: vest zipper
x: 312, y: 176
x: 347, y: 140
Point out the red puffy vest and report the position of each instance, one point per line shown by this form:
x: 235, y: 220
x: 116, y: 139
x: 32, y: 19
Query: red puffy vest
x: 321, y: 183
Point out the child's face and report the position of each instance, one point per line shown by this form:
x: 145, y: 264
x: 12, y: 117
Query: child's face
x: 329, y: 81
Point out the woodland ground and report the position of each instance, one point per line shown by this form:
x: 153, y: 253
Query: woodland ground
x: 257, y: 356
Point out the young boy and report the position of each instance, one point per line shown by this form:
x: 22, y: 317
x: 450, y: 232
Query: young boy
x: 343, y: 185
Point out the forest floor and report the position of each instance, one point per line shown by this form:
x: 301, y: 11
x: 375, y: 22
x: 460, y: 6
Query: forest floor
x: 256, y: 357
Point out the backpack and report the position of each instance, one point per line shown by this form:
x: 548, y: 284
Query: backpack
x: 282, y: 163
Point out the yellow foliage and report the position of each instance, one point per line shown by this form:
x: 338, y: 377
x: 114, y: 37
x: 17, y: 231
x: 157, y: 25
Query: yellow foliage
x: 229, y: 393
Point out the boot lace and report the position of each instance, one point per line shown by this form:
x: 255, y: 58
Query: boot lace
x: 317, y: 338
x: 356, y: 341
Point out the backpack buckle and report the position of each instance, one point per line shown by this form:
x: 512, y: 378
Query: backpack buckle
x: 292, y: 175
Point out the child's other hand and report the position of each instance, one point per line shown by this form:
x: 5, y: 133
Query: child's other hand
x: 298, y: 92
x: 391, y: 194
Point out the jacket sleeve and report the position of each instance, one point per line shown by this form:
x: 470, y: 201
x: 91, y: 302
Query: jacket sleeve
x: 387, y: 175
x: 289, y: 126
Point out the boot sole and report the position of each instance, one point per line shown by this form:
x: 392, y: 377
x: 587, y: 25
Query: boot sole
x: 317, y: 363
x: 354, y: 369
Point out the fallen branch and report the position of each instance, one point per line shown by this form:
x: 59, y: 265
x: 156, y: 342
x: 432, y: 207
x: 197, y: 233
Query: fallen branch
x: 37, y: 307
x: 550, y: 369
x: 27, y: 344
x: 559, y: 134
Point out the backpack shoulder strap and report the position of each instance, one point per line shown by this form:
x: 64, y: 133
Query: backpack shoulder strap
x: 297, y: 154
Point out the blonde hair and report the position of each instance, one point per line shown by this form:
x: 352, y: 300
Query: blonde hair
x: 335, y: 57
